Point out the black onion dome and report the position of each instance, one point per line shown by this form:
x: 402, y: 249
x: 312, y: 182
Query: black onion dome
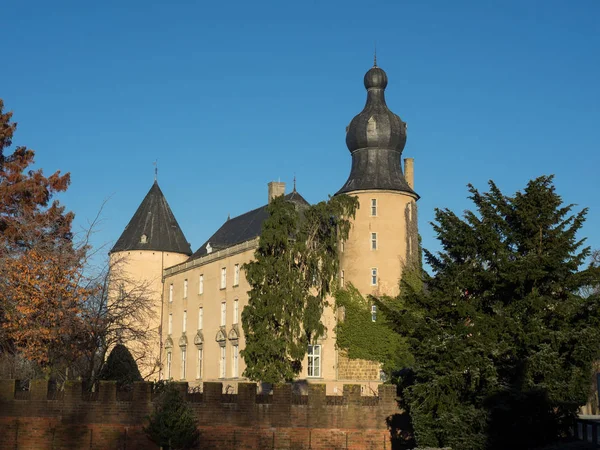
x: 376, y: 78
x: 376, y: 125
x: 376, y: 138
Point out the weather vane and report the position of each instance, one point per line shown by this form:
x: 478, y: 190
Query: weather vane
x: 155, y: 164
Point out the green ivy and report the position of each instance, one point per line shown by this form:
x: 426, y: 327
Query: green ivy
x: 363, y: 338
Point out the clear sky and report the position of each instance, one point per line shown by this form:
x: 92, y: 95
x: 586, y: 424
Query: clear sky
x: 231, y: 95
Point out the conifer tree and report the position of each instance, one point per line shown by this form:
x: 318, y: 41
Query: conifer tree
x: 121, y: 367
x: 294, y: 270
x: 173, y: 425
x: 503, y: 340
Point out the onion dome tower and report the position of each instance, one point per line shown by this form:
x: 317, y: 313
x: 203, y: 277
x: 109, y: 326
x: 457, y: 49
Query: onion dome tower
x: 384, y: 238
x: 376, y: 138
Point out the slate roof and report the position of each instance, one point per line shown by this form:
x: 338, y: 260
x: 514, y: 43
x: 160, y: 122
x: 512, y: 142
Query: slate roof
x: 242, y: 228
x: 156, y: 221
x: 376, y: 138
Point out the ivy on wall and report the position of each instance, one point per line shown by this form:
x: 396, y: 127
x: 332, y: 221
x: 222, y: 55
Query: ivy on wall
x: 363, y: 338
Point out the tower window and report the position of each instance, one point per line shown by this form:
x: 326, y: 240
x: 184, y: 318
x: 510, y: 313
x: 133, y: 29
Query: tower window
x: 200, y: 317
x: 373, y: 241
x: 373, y: 206
x: 185, y: 288
x: 342, y: 281
x: 170, y: 329
x: 201, y: 285
x: 144, y: 239
x: 171, y: 293
x: 223, y: 277
x: 374, y: 276
x: 373, y: 313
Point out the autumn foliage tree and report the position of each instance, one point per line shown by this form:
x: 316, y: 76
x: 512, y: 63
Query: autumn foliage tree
x: 40, y: 267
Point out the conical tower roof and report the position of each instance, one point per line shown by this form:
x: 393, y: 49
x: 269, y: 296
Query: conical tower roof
x: 153, y: 227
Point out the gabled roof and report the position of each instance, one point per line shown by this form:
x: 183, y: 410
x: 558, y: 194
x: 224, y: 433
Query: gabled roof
x: 153, y: 227
x: 242, y: 228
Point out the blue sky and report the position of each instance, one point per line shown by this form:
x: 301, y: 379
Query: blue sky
x: 230, y: 95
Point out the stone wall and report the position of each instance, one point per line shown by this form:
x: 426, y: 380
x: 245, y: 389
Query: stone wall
x: 245, y: 420
x: 357, y: 369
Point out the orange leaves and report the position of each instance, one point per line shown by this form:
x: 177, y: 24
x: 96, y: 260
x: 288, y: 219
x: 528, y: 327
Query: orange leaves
x: 43, y: 305
x: 40, y: 300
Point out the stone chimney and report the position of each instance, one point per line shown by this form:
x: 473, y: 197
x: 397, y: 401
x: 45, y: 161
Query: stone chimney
x: 276, y: 188
x: 409, y: 172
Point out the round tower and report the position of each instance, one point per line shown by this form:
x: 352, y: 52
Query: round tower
x: 383, y: 239
x: 151, y: 242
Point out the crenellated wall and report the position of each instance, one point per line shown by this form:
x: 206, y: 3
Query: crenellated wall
x: 282, y: 420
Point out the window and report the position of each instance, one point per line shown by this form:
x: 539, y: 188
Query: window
x: 222, y: 363
x: 199, y: 366
x: 373, y: 313
x: 200, y: 317
x: 234, y: 361
x: 183, y: 355
x: 171, y: 293
x: 374, y: 277
x: 314, y: 360
x: 373, y: 206
x: 223, y: 313
x: 184, y: 324
x: 373, y: 241
x: 223, y: 277
x: 169, y: 359
x: 201, y: 285
x: 171, y: 323
x: 144, y: 239
x: 236, y: 275
x: 342, y: 278
x: 185, y: 286
x: 235, y: 311
x: 342, y: 246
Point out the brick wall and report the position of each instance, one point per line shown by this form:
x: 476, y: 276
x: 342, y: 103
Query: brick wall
x: 241, y: 421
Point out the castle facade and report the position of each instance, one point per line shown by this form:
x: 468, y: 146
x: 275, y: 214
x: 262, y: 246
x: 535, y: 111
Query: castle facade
x: 199, y: 296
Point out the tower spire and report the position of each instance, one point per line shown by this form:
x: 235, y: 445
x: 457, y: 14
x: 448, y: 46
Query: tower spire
x: 375, y: 56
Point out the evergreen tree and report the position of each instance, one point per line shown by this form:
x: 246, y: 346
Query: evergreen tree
x: 121, y: 367
x: 503, y: 340
x: 173, y: 425
x: 294, y: 270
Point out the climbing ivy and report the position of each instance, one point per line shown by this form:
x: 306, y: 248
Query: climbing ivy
x: 364, y: 338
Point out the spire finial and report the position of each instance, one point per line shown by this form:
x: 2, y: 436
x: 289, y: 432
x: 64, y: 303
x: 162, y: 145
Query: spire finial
x: 155, y: 164
x: 294, y: 183
x: 375, y: 56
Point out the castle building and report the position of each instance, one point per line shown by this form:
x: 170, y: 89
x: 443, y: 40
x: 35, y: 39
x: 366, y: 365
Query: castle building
x: 200, y: 296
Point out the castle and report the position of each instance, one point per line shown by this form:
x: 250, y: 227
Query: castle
x: 199, y: 296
